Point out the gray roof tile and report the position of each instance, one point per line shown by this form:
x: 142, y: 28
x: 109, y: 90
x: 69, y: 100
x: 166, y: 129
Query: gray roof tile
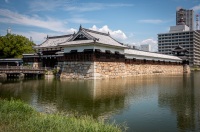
x: 54, y: 41
x: 150, y: 54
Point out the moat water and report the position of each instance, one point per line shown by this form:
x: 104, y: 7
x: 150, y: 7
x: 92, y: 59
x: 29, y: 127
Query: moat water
x: 163, y: 103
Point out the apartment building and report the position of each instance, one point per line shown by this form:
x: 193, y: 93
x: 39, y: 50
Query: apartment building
x: 183, y: 36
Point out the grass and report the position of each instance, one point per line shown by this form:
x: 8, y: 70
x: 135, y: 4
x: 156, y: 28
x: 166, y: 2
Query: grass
x: 16, y: 116
x: 195, y: 69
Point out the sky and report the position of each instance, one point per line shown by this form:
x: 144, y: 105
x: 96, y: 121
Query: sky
x: 132, y: 22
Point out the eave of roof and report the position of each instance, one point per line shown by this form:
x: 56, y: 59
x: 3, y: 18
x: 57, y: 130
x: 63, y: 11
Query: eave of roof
x: 88, y: 42
x: 150, y: 54
x: 42, y: 45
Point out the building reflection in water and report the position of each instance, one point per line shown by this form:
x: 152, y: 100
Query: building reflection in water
x: 93, y: 97
x: 182, y: 96
x: 178, y: 94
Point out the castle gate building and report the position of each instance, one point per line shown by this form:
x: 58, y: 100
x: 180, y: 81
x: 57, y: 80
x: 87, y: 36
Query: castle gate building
x: 90, y: 54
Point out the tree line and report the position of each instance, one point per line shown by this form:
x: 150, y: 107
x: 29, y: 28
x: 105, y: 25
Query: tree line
x: 13, y: 46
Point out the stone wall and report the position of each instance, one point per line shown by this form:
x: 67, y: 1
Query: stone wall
x: 133, y: 69
x: 109, y: 70
x: 116, y: 70
x: 77, y: 70
x: 102, y: 70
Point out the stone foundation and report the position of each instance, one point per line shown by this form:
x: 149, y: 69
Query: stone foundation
x: 77, y: 70
x: 116, y: 70
x: 109, y: 70
x: 103, y: 70
x: 133, y: 69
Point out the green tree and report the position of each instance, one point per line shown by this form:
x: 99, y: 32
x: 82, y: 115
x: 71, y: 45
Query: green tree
x: 13, y: 46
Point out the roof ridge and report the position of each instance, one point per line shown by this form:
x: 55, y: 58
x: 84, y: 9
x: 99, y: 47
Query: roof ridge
x: 70, y: 37
x: 53, y: 37
x: 61, y: 36
x: 84, y: 32
x: 89, y: 34
x: 106, y: 34
x: 93, y: 31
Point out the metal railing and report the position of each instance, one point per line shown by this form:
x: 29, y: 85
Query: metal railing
x: 21, y: 69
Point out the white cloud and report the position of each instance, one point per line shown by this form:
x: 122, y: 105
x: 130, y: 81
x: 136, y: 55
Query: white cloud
x: 151, y: 21
x: 118, y: 34
x: 71, y: 5
x: 7, y: 1
x: 153, y: 43
x: 149, y: 41
x: 46, y: 23
x: 47, y: 5
x: 83, y: 7
x: 80, y: 20
x: 131, y: 35
x: 37, y: 37
x: 196, y: 8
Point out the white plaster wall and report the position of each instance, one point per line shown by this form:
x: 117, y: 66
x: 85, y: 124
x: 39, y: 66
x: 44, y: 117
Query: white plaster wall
x: 78, y: 48
x: 102, y: 48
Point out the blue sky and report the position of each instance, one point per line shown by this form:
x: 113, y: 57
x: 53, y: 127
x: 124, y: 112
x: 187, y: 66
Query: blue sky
x: 133, y: 22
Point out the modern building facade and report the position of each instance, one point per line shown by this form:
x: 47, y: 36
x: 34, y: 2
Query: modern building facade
x: 181, y: 35
x: 188, y: 17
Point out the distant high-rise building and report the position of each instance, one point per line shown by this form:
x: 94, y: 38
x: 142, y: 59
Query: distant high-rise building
x: 188, y: 17
x: 184, y: 35
x: 180, y: 35
x: 9, y: 30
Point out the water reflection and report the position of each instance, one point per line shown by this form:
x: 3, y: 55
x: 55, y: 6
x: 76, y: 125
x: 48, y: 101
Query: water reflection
x: 91, y: 97
x: 95, y: 97
x: 161, y: 103
x: 181, y: 95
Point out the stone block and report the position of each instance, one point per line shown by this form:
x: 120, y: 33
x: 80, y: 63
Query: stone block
x: 87, y: 63
x: 96, y: 74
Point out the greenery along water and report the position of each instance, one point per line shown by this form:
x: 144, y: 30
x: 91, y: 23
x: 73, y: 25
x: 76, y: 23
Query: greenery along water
x: 15, y: 116
x: 145, y: 103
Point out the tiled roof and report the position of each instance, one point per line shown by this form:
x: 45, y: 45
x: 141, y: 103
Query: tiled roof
x: 103, y: 38
x: 77, y: 42
x: 150, y: 54
x: 92, y: 36
x: 54, y: 41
